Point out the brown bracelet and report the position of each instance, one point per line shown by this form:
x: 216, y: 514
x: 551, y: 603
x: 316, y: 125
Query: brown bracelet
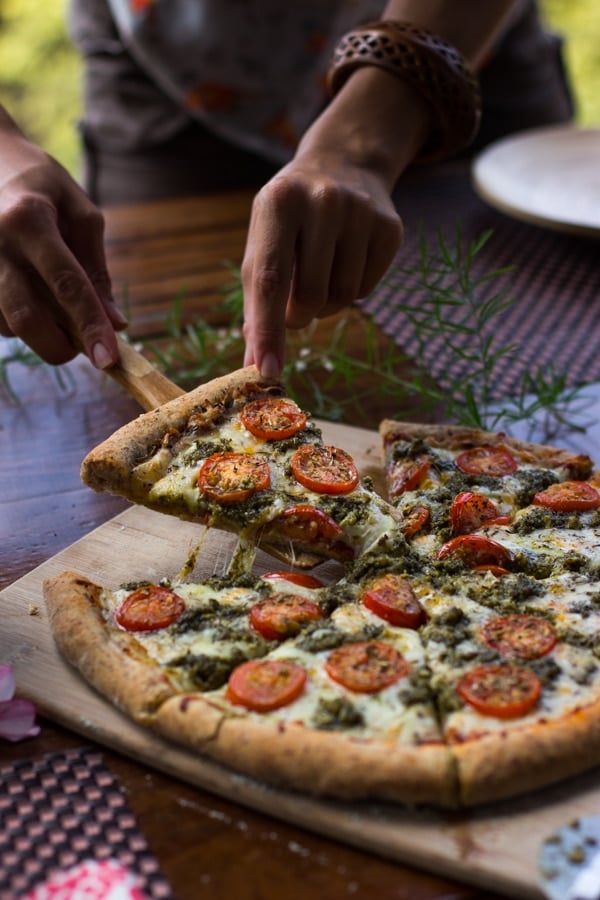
x: 427, y: 62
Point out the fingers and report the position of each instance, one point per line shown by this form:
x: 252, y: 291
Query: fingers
x: 48, y: 298
x: 314, y: 246
x: 327, y: 225
x: 342, y: 258
x: 384, y: 244
x: 87, y: 244
x: 267, y: 271
x: 34, y: 325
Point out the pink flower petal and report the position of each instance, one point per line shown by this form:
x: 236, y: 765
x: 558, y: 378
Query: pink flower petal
x: 92, y: 879
x: 7, y: 683
x: 17, y: 720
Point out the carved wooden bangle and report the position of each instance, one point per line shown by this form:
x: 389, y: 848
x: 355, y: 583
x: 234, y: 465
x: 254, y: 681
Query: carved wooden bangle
x: 427, y: 62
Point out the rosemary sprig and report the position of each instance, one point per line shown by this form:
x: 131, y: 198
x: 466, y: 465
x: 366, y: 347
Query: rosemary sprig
x: 16, y: 352
x: 459, y: 311
x: 456, y: 308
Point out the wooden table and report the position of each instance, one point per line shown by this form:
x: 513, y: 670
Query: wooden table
x: 206, y: 846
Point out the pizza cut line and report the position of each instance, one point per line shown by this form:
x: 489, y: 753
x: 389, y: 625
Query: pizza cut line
x: 455, y: 660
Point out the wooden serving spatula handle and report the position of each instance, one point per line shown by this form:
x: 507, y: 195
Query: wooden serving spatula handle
x: 141, y: 379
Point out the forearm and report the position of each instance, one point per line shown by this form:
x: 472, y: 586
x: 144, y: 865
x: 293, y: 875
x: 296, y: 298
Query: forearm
x: 379, y: 120
x: 469, y: 25
x: 9, y: 128
x: 56, y: 293
x: 16, y: 150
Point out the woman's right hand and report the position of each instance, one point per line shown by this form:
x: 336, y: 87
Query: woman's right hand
x: 55, y: 290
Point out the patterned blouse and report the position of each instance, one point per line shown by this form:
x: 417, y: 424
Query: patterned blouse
x: 251, y: 71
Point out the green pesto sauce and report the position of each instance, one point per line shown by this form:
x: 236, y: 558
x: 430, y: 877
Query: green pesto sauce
x: 391, y: 555
x: 336, y: 595
x: 208, y: 673
x: 546, y: 669
x: 586, y: 606
x: 321, y: 635
x: 245, y: 513
x: 509, y: 593
x: 130, y: 586
x: 237, y: 580
x: 203, y: 449
x: 449, y: 628
x: 336, y: 713
x: 224, y: 623
x: 416, y: 688
x: 446, y: 699
x: 538, y: 518
x: 414, y: 449
x: 576, y: 639
x: 309, y: 435
x: 345, y: 508
x: 324, y: 635
x: 459, y: 481
x: 410, y: 449
x: 531, y: 481
x: 439, y: 522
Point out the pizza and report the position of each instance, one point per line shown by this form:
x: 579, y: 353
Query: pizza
x: 451, y: 659
x: 238, y: 455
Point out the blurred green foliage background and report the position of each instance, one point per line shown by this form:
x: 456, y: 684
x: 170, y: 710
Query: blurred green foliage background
x: 40, y: 73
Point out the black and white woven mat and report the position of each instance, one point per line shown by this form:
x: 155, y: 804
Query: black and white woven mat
x: 554, y: 320
x: 60, y: 809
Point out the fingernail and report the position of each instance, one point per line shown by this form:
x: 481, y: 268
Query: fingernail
x: 120, y: 316
x: 101, y: 357
x: 269, y: 366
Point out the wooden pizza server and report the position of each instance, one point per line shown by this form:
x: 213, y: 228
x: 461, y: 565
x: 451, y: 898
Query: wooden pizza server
x: 141, y: 379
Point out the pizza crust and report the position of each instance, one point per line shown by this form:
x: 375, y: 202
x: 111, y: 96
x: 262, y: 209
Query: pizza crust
x: 520, y: 760
x: 112, y: 662
x: 486, y: 768
x: 316, y: 762
x: 109, y: 466
x: 455, y: 437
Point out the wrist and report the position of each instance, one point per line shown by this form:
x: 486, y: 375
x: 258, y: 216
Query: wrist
x: 8, y: 124
x: 433, y: 68
x: 376, y: 122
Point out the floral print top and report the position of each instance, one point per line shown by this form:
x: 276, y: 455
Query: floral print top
x: 252, y: 70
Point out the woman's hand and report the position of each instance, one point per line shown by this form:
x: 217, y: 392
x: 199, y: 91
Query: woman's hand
x: 323, y: 232
x: 55, y: 291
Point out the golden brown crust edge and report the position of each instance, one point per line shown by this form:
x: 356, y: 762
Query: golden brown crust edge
x: 319, y: 763
x: 108, y: 466
x: 315, y: 762
x: 113, y: 664
x: 510, y: 763
x: 457, y: 437
x: 482, y: 770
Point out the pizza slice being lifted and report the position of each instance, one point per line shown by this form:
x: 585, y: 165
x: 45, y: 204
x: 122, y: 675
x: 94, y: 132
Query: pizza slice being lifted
x: 239, y: 455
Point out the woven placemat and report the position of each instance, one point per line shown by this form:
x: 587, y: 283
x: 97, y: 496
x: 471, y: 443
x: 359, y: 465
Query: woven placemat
x: 60, y: 809
x: 554, y: 280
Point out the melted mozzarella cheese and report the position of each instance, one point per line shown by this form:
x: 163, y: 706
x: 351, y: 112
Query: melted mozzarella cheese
x: 551, y: 542
x: 383, y: 714
x: 577, y: 686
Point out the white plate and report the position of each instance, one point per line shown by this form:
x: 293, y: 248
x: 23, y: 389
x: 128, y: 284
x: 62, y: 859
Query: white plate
x: 546, y: 176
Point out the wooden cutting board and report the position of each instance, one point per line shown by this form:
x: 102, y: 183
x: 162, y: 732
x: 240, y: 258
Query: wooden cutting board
x: 495, y: 847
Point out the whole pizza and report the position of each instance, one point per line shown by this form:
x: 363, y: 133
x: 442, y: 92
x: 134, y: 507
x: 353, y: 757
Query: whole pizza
x: 452, y: 660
